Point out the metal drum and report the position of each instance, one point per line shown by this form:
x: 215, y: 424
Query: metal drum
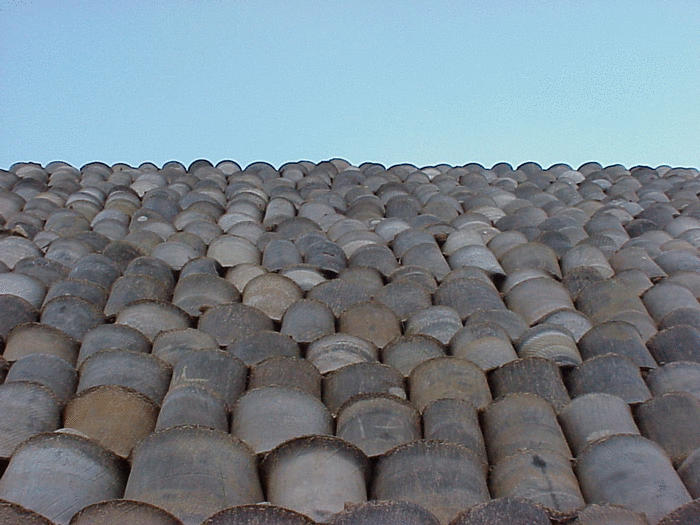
x: 165, y: 464
x: 56, y: 475
x: 123, y: 511
x: 503, y: 510
x: 385, y: 513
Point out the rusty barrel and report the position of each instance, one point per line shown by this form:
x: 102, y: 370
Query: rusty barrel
x: 594, y: 416
x: 360, y: 378
x: 291, y: 372
x: 448, y: 377
x: 123, y: 511
x: 58, y: 474
x: 444, y: 478
x: 611, y: 374
x: 164, y: 465
x: 115, y: 416
x: 522, y: 422
x: 192, y: 404
x: 260, y: 514
x: 376, y: 423
x: 384, y: 512
x: 533, y: 374
x: 456, y: 421
x: 53, y: 372
x: 541, y: 477
x: 631, y: 471
x: 268, y: 416
x: 512, y: 511
x: 606, y: 514
x: 334, y: 473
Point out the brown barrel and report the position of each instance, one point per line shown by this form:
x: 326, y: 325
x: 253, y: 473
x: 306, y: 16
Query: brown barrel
x: 12, y: 513
x: 27, y: 409
x: 384, y: 512
x: 35, y: 338
x: 261, y: 514
x: 673, y: 421
x: 619, y: 338
x: 285, y: 371
x: 404, y: 297
x: 448, y: 377
x: 131, y: 288
x: 263, y: 345
x: 439, y: 322
x: 370, y: 321
x: 272, y: 294
x: 142, y: 372
x: 47, y: 474
x: 608, y: 514
x: 360, y: 378
x: 56, y: 374
x: 594, y: 416
x: 444, y: 478
x: 335, y: 351
x: 306, y: 320
x: 456, y: 421
x: 684, y: 515
x: 13, y: 312
x: 679, y: 376
x: 689, y: 471
x: 171, y: 345
x: 503, y: 510
x: 406, y: 352
x: 72, y: 315
x: 376, y: 423
x: 217, y: 370
x: 541, y: 477
x: 123, y: 511
x: 116, y: 417
x: 112, y: 336
x: 334, y: 473
x: 522, y: 422
x: 678, y: 343
x: 534, y: 375
x: 230, y: 322
x: 165, y: 464
x: 153, y: 317
x: 611, y: 374
x: 550, y: 342
x: 266, y: 417
x: 192, y: 404
x: 633, y: 472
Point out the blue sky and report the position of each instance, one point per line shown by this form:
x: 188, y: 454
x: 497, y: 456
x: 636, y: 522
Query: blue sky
x: 421, y: 82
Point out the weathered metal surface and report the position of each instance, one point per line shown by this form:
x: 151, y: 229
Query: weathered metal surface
x: 360, y: 378
x: 549, y: 342
x: 131, y: 288
x: 112, y: 336
x: 684, y: 515
x: 272, y: 294
x: 448, y: 377
x: 263, y: 344
x: 13, y: 312
x: 503, y: 510
x: 535, y: 299
x: 616, y: 337
x: 679, y: 376
x: 404, y: 297
x: 689, y: 471
x: 262, y: 514
x: 291, y: 372
x: 335, y: 351
x: 123, y: 511
x: 171, y: 345
x: 467, y: 296
x: 406, y: 352
x: 35, y: 338
x: 440, y: 322
x: 306, y: 320
x: 678, y: 343
x: 611, y: 374
x: 165, y: 463
x: 72, y: 315
x: 370, y: 321
x: 229, y: 322
x: 28, y: 288
x: 384, y: 512
x: 12, y: 513
x: 55, y: 373
x: 534, y: 375
x: 56, y: 475
x: 608, y: 514
x: 192, y: 404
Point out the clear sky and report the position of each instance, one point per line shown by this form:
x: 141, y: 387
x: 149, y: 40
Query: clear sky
x: 412, y: 81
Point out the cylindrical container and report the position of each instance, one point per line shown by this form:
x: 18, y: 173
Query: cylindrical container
x: 192, y: 404
x: 196, y: 293
x: 370, y: 321
x: 15, y: 311
x: 429, y: 256
x: 663, y: 298
x: 385, y: 512
x: 633, y: 472
x: 360, y: 378
x: 467, y: 296
x: 27, y: 409
x: 266, y: 417
x: 444, y: 478
x: 456, y: 421
x: 131, y: 288
x: 28, y: 288
x: 377, y: 256
x: 673, y: 421
x: 12, y: 513
x: 603, y: 300
x: 335, y: 351
x: 448, y: 377
x: 290, y: 372
x: 96, y: 268
x: 535, y: 299
x: 72, y: 315
x: 165, y: 464
x: 679, y: 376
x: 53, y: 372
x: 533, y: 374
x: 123, y: 511
x: 512, y: 323
x: 687, y: 513
x: 594, y: 416
x: 439, y: 322
x: 522, y: 422
x: 503, y: 510
x: 230, y: 251
x: 404, y: 297
x: 272, y: 294
x: 678, y: 343
x: 608, y: 514
x: 306, y: 320
x: 333, y: 471
x: 531, y: 255
x: 339, y: 294
x: 230, y: 322
x: 280, y: 254
x: 171, y: 345
x: 406, y: 352
x: 35, y: 338
x: 153, y: 317
x: 376, y: 423
x: 263, y: 345
x: 611, y: 374
x: 47, y: 474
x: 91, y: 292
x: 261, y: 514
x: 689, y: 471
x: 112, y: 336
x: 541, y: 477
x: 116, y: 417
x: 142, y: 372
x: 550, y: 342
x: 217, y: 370
x: 616, y: 337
